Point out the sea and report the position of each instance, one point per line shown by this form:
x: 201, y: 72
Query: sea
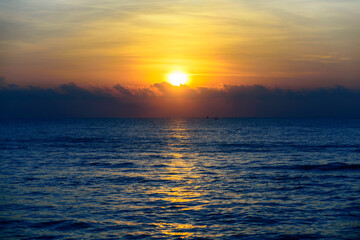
x: 227, y: 178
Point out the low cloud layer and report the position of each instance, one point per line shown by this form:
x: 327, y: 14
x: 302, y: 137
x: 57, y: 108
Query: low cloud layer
x: 164, y: 100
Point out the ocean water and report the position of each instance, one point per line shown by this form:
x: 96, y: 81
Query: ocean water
x: 180, y: 179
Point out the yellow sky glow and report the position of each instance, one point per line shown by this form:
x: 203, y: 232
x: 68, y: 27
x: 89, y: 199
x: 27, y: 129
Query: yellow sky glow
x: 236, y: 42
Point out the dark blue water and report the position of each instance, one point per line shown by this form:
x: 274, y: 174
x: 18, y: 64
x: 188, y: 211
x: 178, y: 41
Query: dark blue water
x: 180, y: 179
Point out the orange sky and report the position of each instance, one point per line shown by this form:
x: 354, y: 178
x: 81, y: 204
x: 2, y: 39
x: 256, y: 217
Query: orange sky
x: 137, y: 43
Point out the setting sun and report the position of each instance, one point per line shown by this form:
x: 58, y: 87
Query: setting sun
x: 177, y: 78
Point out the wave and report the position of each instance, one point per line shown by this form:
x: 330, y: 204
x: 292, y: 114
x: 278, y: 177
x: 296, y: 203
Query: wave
x: 335, y: 166
x: 113, y: 165
x: 272, y: 147
x: 62, y: 225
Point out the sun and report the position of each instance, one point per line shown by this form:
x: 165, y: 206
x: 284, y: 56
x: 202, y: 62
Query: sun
x: 177, y: 78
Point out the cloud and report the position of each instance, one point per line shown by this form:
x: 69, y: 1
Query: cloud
x: 164, y: 100
x: 2, y: 81
x: 98, y: 41
x: 329, y: 58
x: 122, y: 90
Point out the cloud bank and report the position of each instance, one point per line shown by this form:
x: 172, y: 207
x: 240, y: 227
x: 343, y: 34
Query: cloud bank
x: 164, y: 100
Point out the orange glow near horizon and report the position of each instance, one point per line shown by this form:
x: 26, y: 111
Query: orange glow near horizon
x: 136, y: 42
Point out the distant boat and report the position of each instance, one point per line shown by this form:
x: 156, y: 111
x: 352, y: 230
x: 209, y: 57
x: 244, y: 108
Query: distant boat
x: 216, y: 118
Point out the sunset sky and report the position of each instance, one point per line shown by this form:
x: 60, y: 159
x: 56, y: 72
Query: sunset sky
x: 287, y: 43
x: 179, y: 58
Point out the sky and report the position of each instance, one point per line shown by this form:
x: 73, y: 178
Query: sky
x: 287, y: 43
x: 111, y: 58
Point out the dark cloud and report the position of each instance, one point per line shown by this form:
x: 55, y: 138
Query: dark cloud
x: 164, y: 100
x: 2, y: 81
x: 122, y: 90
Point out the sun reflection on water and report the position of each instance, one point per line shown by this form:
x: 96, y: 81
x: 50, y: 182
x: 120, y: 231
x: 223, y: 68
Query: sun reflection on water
x: 177, y: 229
x: 181, y: 171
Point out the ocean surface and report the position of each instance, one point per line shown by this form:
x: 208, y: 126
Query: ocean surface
x: 180, y: 179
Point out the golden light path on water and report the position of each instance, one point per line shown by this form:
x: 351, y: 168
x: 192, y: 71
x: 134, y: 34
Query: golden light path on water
x: 178, y: 196
x: 180, y: 169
